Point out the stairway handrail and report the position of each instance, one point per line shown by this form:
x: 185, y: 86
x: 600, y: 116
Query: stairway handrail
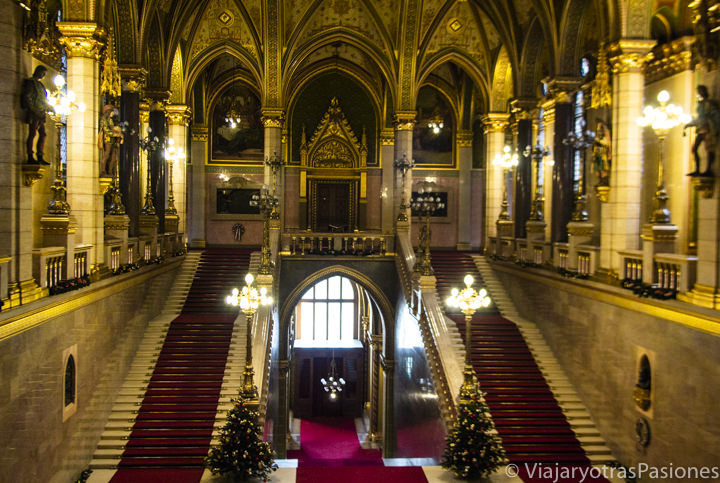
x: 448, y: 376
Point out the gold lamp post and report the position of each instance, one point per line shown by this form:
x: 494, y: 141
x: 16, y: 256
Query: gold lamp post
x: 63, y: 103
x: 537, y: 153
x: 661, y: 119
x: 580, y: 140
x: 403, y: 165
x: 266, y: 202
x: 172, y: 154
x: 427, y: 203
x: 249, y: 299
x: 468, y: 300
x: 274, y: 162
x: 507, y: 162
x: 148, y: 144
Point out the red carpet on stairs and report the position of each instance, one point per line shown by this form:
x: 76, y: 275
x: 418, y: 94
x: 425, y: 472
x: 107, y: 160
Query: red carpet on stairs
x: 172, y: 432
x: 526, y: 414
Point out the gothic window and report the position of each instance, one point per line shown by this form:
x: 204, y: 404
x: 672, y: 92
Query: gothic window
x: 70, y: 381
x: 326, y: 313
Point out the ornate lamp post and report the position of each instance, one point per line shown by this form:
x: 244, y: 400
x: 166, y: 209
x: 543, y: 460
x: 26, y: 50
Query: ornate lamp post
x: 580, y: 140
x: 274, y: 162
x: 148, y: 144
x: 172, y: 154
x: 507, y: 162
x: 426, y: 204
x: 468, y: 300
x: 403, y: 165
x: 267, y: 202
x: 249, y: 299
x: 661, y: 119
x: 537, y: 153
x: 63, y: 103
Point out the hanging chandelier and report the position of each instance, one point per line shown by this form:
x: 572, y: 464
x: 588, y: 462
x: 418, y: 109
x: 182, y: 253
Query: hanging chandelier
x: 333, y: 384
x: 436, y: 123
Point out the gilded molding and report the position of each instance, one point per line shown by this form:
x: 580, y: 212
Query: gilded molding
x: 669, y: 59
x: 495, y: 122
x: 404, y: 120
x: 199, y: 133
x: 464, y: 139
x: 178, y: 114
x: 144, y: 112
x: 387, y: 137
x: 32, y: 173
x: 523, y: 107
x: 133, y: 78
x: 273, y: 118
x: 549, y: 112
x: 629, y: 55
x: 81, y: 39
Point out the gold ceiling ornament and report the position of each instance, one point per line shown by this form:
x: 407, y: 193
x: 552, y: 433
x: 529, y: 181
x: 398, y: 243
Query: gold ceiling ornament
x: 334, y: 143
x: 601, y: 92
x: 110, y: 83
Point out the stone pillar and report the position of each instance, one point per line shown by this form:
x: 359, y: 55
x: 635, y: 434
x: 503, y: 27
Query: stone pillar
x: 273, y: 120
x: 144, y: 108
x: 547, y: 181
x: 133, y: 79
x: 523, y: 191
x: 84, y: 196
x: 404, y: 123
x: 157, y: 162
x: 387, y: 191
x: 197, y: 187
x: 16, y: 200
x: 627, y: 58
x: 464, y: 204
x: 495, y: 124
x: 389, y: 445
x: 178, y: 117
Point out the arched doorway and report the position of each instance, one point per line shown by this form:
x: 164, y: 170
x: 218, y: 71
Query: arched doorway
x: 336, y: 317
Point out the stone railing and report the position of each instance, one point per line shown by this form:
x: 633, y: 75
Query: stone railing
x: 631, y: 265
x: 675, y: 272
x: 356, y: 244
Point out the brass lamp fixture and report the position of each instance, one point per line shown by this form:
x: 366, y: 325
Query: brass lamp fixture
x: 63, y: 103
x: 266, y: 202
x: 436, y: 123
x: 148, y: 144
x: 172, y: 154
x: 580, y: 140
x: 426, y: 204
x: 507, y: 161
x: 249, y: 299
x: 469, y: 301
x: 537, y: 153
x: 403, y: 165
x: 661, y: 119
x: 334, y: 383
x: 275, y: 163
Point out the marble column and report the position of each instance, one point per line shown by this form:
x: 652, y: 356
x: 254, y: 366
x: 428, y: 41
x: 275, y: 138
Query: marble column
x: 464, y: 204
x: 404, y: 123
x: 157, y: 163
x: 197, y: 186
x: 627, y: 58
x: 273, y: 120
x: 133, y: 78
x: 144, y: 109
x: 495, y: 124
x: 84, y: 195
x: 16, y: 201
x: 523, y: 175
x: 387, y: 192
x: 178, y: 117
x: 547, y: 181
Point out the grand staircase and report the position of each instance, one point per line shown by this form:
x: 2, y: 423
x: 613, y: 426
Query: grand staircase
x: 166, y: 413
x: 535, y: 409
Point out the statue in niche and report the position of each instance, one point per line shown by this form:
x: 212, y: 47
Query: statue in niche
x: 33, y: 99
x: 602, y: 149
x: 110, y: 138
x: 707, y: 125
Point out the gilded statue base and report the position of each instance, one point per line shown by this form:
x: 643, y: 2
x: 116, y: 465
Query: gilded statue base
x: 32, y: 173
x: 602, y: 193
x: 104, y: 184
x: 705, y: 185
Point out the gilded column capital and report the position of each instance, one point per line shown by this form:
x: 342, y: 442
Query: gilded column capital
x: 133, y: 78
x: 629, y: 55
x: 464, y: 138
x: 669, y: 59
x: 561, y: 88
x: 495, y: 122
x: 157, y: 99
x: 178, y: 114
x: 273, y: 117
x: 199, y: 133
x: 81, y: 39
x: 404, y: 120
x: 387, y: 137
x: 548, y: 111
x: 523, y: 107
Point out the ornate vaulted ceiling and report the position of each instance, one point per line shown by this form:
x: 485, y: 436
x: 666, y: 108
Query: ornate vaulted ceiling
x: 393, y: 46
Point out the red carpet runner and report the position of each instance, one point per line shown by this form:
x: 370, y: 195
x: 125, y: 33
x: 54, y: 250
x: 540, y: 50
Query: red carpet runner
x: 172, y: 432
x: 526, y: 414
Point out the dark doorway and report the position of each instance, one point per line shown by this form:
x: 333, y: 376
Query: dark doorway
x: 333, y: 206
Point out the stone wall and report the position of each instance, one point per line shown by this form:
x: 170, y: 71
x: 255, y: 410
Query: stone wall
x: 598, y: 332
x: 37, y: 444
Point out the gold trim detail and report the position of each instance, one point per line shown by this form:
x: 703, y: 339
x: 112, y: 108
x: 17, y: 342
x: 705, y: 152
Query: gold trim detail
x: 464, y: 139
x: 669, y: 59
x: 81, y: 39
x: 334, y: 144
x: 32, y: 173
x: 705, y: 185
x: 178, y: 114
x: 133, y: 78
x: 495, y: 122
x: 199, y: 133
x: 387, y: 137
x: 404, y: 120
x: 273, y: 118
x: 629, y: 55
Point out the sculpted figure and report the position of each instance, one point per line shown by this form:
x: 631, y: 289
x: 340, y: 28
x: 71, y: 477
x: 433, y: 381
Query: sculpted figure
x: 33, y: 98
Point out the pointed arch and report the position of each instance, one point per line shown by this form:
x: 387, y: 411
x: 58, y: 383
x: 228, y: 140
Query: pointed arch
x: 461, y: 59
x: 502, y: 85
x: 531, y: 61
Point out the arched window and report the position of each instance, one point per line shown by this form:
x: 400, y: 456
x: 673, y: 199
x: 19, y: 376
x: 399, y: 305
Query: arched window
x: 70, y: 378
x: 326, y: 313
x: 579, y: 129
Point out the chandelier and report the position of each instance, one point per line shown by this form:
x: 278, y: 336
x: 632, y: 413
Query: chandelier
x: 333, y: 384
x: 436, y: 123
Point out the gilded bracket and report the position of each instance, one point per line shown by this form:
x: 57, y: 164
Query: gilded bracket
x: 32, y: 173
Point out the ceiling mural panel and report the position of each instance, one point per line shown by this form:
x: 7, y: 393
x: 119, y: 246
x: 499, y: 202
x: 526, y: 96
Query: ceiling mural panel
x: 459, y: 29
x: 350, y: 14
x: 430, y: 9
x: 254, y: 10
x: 294, y: 11
x: 388, y: 11
x: 491, y: 34
x: 221, y: 21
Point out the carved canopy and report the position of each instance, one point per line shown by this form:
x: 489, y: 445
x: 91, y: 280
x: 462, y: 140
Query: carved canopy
x: 333, y: 144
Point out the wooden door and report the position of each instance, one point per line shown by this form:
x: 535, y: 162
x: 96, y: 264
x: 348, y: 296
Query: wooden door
x: 333, y: 207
